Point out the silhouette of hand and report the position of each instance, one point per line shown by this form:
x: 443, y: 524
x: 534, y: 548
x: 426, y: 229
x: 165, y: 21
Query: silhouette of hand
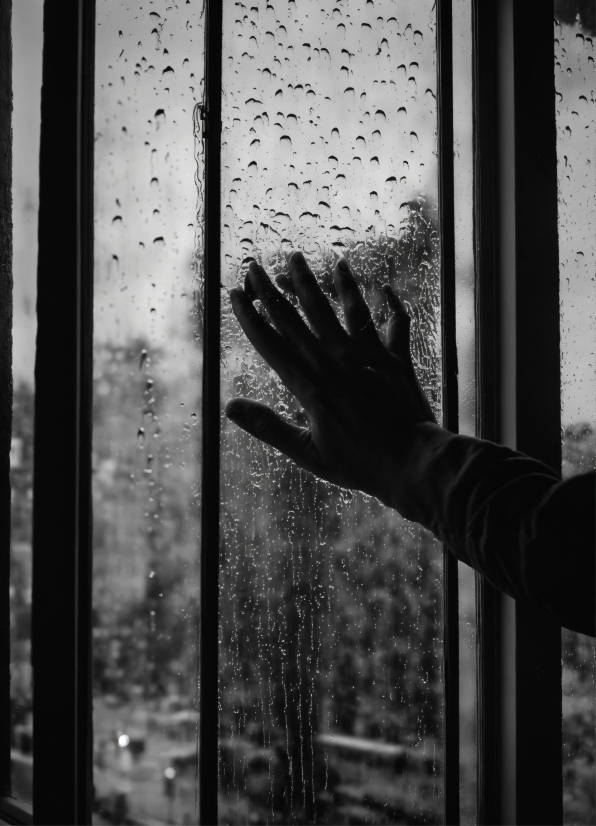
x: 361, y: 397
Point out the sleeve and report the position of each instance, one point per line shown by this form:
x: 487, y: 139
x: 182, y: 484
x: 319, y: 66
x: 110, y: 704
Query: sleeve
x: 512, y: 519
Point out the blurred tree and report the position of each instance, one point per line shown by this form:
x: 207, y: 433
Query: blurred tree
x: 145, y: 526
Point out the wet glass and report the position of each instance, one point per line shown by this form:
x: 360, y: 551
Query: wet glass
x: 331, y: 698
x: 27, y: 39
x: 146, y: 441
x: 576, y: 132
x: 463, y: 167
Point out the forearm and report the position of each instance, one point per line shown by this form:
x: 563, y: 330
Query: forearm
x: 509, y: 517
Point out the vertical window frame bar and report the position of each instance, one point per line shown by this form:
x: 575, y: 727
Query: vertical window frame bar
x: 487, y: 388
x: 539, y: 752
x: 208, y: 768
x: 62, y: 547
x: 518, y: 373
x: 450, y: 400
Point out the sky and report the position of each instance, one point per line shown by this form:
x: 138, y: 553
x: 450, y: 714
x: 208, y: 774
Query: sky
x: 329, y: 125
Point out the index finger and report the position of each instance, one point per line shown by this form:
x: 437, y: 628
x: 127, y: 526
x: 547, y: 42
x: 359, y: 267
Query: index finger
x: 289, y: 365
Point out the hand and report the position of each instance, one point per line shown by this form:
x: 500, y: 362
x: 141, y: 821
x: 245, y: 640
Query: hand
x: 361, y: 397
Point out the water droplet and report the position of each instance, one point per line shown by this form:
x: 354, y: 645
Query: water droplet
x: 159, y: 241
x: 117, y: 219
x: 141, y: 436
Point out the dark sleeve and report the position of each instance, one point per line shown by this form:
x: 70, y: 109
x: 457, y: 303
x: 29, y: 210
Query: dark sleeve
x: 511, y: 518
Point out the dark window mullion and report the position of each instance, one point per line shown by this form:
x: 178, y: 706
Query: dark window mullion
x: 61, y: 614
x: 488, y: 600
x: 450, y: 403
x: 537, y: 395
x: 210, y: 496
x: 518, y: 373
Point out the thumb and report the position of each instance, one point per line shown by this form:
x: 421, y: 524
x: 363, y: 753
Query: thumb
x: 263, y: 423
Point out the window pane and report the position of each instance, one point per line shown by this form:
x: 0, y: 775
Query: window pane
x: 148, y: 226
x: 331, y: 611
x: 26, y: 50
x: 574, y: 79
x: 463, y: 162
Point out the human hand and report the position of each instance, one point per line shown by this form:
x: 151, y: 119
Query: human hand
x: 361, y: 397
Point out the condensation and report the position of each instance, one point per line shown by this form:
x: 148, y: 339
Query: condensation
x: 576, y: 133
x: 331, y: 702
x: 147, y: 365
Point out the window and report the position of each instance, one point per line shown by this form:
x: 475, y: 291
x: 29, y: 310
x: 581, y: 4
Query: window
x: 323, y: 663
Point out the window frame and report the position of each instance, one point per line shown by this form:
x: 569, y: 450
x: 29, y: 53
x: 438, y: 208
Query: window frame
x: 518, y: 389
x: 518, y: 381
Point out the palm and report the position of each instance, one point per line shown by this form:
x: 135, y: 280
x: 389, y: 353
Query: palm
x: 361, y: 397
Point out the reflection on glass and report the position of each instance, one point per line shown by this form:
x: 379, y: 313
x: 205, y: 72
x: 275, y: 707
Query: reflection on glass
x: 331, y: 644
x: 574, y: 80
x: 147, y: 362
x: 465, y: 332
x: 26, y: 69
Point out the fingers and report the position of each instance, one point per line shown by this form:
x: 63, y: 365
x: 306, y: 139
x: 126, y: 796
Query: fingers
x: 357, y: 315
x: 260, y: 421
x: 398, y: 329
x: 285, y: 282
x: 277, y: 352
x: 284, y: 316
x: 315, y: 304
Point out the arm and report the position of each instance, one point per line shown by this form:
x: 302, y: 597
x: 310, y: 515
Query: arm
x: 512, y: 519
x: 371, y: 428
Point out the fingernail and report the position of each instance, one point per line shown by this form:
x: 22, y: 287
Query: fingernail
x: 298, y: 258
x: 343, y: 265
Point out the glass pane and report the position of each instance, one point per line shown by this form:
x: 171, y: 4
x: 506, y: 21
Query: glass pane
x: 27, y: 42
x: 575, y: 85
x: 463, y: 162
x: 331, y: 696
x: 148, y: 239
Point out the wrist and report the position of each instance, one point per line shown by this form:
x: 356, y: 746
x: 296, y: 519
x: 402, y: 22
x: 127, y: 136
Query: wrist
x: 408, y: 474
